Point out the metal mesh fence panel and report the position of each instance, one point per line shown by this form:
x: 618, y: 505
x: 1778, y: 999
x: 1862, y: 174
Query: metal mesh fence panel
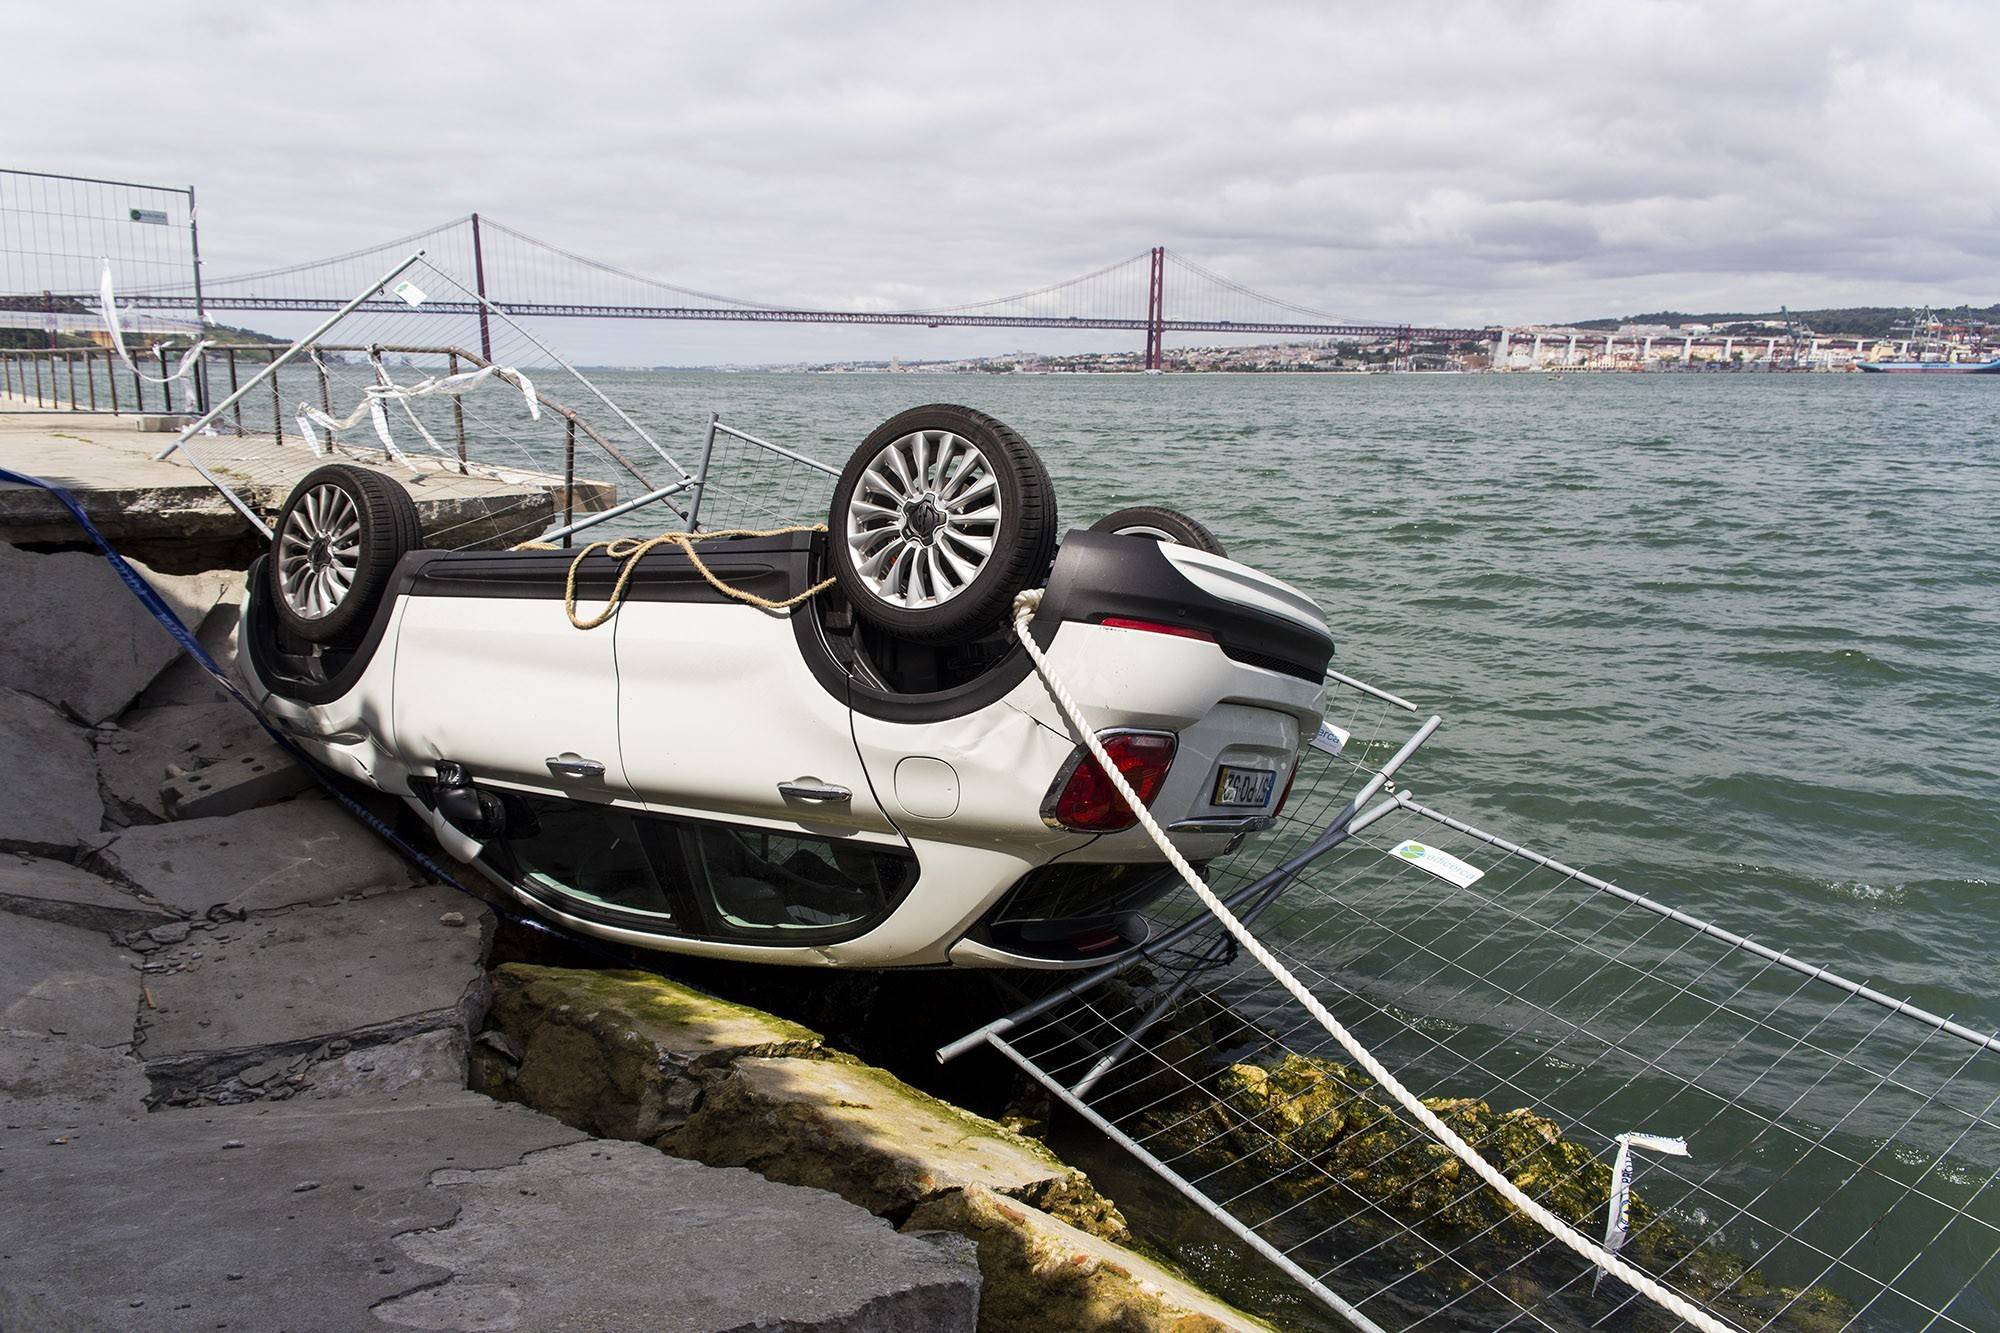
x: 748, y: 482
x: 56, y: 235
x: 1842, y: 1145
x: 495, y: 437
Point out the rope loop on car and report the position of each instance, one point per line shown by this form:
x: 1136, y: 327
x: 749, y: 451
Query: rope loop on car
x: 1025, y: 606
x: 634, y: 549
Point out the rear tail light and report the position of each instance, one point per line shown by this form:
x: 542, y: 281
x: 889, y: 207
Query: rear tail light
x: 1083, y: 799
x: 1157, y: 627
x: 1297, y: 763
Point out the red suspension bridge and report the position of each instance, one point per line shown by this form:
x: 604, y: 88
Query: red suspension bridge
x: 1156, y: 293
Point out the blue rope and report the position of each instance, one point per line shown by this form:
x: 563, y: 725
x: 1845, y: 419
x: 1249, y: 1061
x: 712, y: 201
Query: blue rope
x: 150, y: 598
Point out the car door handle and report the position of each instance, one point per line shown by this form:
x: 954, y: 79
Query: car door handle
x: 575, y: 766
x: 812, y: 789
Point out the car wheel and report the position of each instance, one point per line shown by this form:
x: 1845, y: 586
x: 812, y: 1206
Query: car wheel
x: 940, y: 517
x: 1160, y: 524
x: 336, y: 542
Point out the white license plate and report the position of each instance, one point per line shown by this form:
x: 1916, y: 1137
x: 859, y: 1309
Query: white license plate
x: 1243, y: 786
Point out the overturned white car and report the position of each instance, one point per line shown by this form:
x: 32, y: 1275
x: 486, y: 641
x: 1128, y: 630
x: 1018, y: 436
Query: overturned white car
x: 873, y: 777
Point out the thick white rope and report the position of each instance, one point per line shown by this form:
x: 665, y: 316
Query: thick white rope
x: 1025, y: 607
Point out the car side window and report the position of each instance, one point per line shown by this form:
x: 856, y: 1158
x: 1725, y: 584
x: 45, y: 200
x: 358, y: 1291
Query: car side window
x: 720, y: 881
x: 757, y: 881
x: 592, y: 852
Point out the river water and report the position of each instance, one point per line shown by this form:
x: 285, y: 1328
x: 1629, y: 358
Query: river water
x: 1733, y: 641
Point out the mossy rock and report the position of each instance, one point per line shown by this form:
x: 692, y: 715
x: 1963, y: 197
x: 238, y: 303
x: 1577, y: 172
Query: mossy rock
x: 1303, y: 1124
x: 1038, y: 1271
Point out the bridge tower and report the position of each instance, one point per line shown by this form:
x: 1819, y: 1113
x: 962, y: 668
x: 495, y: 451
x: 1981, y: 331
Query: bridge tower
x: 479, y: 285
x: 1155, y: 293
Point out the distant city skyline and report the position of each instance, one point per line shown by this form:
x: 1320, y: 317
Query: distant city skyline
x: 1438, y: 164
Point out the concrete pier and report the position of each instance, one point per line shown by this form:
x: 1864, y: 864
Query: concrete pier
x: 143, y: 504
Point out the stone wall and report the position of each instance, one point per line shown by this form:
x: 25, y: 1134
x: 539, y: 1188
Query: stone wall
x: 633, y: 1055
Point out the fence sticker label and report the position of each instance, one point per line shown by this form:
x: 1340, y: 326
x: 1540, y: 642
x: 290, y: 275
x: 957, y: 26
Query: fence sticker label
x: 1331, y: 739
x: 152, y: 216
x: 409, y: 291
x: 1442, y: 864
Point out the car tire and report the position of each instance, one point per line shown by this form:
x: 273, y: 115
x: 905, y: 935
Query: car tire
x: 1160, y: 524
x: 333, y: 549
x: 915, y: 505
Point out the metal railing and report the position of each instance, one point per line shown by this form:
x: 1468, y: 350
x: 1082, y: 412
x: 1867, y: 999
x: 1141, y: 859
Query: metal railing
x: 84, y: 379
x: 65, y: 380
x: 68, y: 380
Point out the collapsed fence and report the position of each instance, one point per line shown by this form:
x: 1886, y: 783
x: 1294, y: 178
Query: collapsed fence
x: 1841, y: 1143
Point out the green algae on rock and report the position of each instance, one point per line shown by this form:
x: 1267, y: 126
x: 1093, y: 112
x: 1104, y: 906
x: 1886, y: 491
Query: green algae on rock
x: 1040, y: 1272
x: 635, y: 1055
x: 1330, y: 1149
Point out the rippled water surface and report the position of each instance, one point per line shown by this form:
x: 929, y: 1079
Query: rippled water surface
x: 1732, y: 641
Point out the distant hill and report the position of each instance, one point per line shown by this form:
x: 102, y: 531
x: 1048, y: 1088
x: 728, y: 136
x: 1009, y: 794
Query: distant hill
x: 229, y: 333
x: 1867, y: 321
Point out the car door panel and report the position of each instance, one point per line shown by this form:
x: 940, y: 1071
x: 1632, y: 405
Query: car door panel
x: 717, y: 711
x: 503, y: 685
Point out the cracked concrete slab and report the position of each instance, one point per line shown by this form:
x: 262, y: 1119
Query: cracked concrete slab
x: 307, y: 850
x: 50, y: 799
x: 66, y: 981
x: 53, y: 1082
x: 186, y: 1219
x: 601, y: 1235
x: 56, y: 891
x: 314, y: 972
x: 152, y: 746
x: 93, y: 675
x: 436, y: 1057
x: 448, y: 1211
x: 187, y: 681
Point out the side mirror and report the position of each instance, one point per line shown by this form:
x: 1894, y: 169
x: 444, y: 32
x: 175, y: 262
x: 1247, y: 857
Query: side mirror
x: 477, y: 814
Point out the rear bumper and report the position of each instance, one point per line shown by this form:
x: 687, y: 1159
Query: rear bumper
x: 1254, y: 618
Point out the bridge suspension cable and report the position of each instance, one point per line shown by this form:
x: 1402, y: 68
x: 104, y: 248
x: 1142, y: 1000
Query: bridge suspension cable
x: 1023, y: 298
x: 1189, y: 267
x: 613, y: 270
x: 372, y: 253
x: 1156, y: 292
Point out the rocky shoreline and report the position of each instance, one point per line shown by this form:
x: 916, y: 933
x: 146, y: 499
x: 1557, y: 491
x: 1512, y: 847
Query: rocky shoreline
x: 254, y: 1072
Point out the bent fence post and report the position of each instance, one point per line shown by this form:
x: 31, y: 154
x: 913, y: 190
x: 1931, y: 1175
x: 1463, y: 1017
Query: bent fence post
x: 272, y: 368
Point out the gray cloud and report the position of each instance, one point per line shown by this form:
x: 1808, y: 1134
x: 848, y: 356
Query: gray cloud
x: 1431, y: 163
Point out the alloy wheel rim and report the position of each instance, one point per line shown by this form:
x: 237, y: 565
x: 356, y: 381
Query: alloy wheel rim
x: 319, y: 552
x: 924, y: 519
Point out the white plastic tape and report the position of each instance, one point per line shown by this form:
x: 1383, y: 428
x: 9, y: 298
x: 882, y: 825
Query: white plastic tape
x: 1329, y: 739
x: 180, y: 372
x: 377, y: 396
x: 1618, y: 1221
x: 306, y: 429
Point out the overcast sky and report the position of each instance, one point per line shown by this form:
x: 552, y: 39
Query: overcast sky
x: 1409, y: 162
